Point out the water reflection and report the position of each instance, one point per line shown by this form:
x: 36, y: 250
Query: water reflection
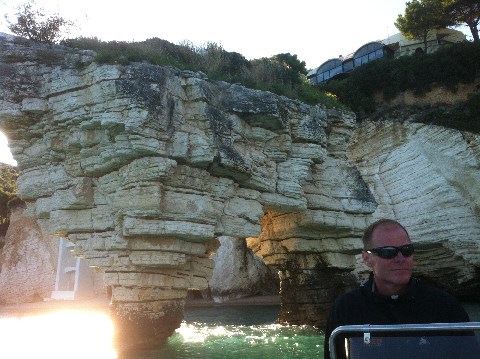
x: 197, y: 340
x: 63, y: 334
x: 207, y: 332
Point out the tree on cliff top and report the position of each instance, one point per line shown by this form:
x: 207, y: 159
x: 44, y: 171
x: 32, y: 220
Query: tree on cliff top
x: 33, y: 23
x: 421, y: 17
x: 465, y: 12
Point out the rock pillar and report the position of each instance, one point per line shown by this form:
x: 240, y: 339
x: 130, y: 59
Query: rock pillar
x: 307, y: 293
x: 147, y: 325
x: 313, y: 270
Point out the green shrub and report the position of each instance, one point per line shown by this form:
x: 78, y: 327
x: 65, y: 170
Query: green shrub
x: 451, y: 65
x: 8, y: 189
x: 282, y: 74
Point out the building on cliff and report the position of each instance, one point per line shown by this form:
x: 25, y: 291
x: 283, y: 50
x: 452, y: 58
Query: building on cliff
x: 392, y: 47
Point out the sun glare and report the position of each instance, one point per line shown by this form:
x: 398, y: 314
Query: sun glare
x: 191, y: 333
x: 63, y: 334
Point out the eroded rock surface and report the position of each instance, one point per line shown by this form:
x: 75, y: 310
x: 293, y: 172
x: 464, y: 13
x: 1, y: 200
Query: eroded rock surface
x: 144, y: 168
x: 27, y: 269
x: 239, y: 273
x: 428, y: 177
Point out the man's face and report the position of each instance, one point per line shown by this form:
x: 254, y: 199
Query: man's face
x: 391, y: 275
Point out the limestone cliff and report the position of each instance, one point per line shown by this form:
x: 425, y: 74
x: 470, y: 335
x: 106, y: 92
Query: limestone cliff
x: 144, y: 168
x: 428, y: 178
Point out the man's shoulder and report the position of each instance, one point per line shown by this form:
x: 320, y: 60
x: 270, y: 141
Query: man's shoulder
x: 437, y: 297
x: 427, y: 289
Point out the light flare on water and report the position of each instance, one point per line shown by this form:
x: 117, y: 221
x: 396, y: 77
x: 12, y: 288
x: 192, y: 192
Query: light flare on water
x: 200, y: 340
x: 63, y: 334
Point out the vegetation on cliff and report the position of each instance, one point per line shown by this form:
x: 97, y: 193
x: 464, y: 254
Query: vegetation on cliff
x: 422, y: 16
x: 283, y: 74
x: 8, y: 189
x: 35, y: 24
x: 447, y: 68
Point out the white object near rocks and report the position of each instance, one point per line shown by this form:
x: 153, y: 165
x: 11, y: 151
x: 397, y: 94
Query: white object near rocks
x: 74, y: 279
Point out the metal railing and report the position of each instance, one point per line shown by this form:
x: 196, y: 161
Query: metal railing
x: 367, y: 329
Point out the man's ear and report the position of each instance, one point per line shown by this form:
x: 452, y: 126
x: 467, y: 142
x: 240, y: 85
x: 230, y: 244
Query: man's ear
x: 367, y: 259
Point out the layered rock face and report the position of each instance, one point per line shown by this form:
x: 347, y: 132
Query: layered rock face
x: 145, y: 168
x: 428, y: 178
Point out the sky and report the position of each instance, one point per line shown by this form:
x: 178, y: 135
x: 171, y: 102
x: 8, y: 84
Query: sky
x: 315, y: 31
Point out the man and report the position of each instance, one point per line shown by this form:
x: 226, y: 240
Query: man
x: 391, y: 295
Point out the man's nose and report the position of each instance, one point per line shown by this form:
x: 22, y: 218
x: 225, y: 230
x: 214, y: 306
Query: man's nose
x: 400, y: 256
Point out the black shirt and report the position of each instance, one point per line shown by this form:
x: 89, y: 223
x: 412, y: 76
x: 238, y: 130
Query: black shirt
x: 421, y: 304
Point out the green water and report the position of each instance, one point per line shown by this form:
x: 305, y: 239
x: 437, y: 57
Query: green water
x: 238, y: 332
x: 244, y: 332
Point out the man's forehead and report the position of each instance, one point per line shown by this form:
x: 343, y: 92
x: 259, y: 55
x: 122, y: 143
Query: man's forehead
x: 389, y: 230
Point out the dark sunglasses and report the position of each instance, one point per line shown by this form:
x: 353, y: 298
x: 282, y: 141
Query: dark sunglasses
x: 389, y: 252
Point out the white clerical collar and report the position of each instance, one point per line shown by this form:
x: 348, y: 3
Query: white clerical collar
x: 394, y: 297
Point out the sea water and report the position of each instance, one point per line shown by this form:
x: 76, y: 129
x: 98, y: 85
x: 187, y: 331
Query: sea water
x: 245, y: 332
x: 207, y: 332
x: 238, y: 332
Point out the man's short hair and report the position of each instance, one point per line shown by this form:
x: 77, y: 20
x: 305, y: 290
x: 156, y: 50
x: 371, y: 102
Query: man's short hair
x: 367, y: 235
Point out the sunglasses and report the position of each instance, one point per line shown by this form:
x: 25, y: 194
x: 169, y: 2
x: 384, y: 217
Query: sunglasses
x: 389, y: 252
